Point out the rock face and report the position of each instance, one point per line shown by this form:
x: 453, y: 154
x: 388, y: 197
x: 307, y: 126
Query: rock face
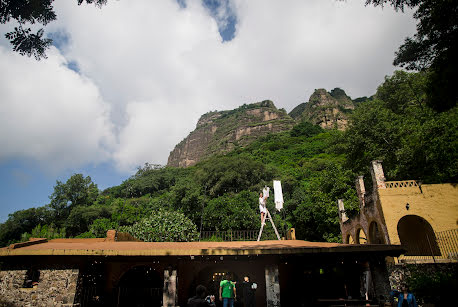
x: 328, y: 110
x: 220, y: 132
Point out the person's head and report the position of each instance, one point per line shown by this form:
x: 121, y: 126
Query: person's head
x: 404, y: 288
x: 229, y: 276
x: 260, y: 194
x: 201, y: 291
x: 246, y: 278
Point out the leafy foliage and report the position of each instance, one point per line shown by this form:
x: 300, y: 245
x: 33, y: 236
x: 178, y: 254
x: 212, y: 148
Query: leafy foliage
x: 232, y: 212
x: 46, y: 231
x: 81, y: 217
x: 413, y: 140
x: 32, y: 12
x: 305, y: 129
x: 77, y: 191
x: 22, y: 221
x: 163, y: 226
x: 433, y: 47
x: 433, y: 286
x: 314, y: 202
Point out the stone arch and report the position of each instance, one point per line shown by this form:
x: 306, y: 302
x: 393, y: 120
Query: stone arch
x: 361, y: 237
x: 375, y: 234
x: 418, y: 236
x: 141, y: 285
x: 349, y: 239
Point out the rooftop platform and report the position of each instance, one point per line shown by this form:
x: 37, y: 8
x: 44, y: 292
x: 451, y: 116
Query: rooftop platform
x: 107, y: 247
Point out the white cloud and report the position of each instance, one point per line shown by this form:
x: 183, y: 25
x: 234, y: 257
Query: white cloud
x: 49, y: 114
x: 160, y: 67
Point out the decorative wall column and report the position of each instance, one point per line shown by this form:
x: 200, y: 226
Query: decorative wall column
x: 342, y: 215
x: 272, y: 286
x: 361, y: 191
x: 169, y: 295
x: 378, y: 177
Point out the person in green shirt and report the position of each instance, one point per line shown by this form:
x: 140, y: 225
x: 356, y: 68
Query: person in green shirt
x: 227, y: 291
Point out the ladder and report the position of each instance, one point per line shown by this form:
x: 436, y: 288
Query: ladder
x: 267, y: 216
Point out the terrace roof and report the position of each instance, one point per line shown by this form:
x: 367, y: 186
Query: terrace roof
x: 107, y: 247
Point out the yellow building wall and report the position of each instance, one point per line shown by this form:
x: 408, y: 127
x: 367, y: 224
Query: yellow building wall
x: 438, y: 204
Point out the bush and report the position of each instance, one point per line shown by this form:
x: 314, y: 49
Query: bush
x: 433, y: 286
x: 163, y: 226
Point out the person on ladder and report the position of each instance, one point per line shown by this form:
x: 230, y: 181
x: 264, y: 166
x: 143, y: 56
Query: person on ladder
x: 262, y: 206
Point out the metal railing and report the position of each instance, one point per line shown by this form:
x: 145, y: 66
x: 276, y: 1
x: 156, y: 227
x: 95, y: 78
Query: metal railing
x: 229, y: 235
x: 401, y: 184
x: 442, y: 248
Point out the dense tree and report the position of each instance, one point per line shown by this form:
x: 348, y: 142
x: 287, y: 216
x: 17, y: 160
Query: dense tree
x: 22, y: 221
x: 100, y: 227
x: 413, y: 140
x: 403, y: 90
x: 306, y: 129
x: 232, y: 212
x: 76, y: 191
x: 433, y: 47
x: 81, y: 217
x: 29, y: 12
x: 225, y: 174
x: 46, y: 231
x: 314, y: 201
x: 163, y: 226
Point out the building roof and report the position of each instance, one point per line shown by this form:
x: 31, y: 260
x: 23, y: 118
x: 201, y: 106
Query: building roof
x: 106, y: 247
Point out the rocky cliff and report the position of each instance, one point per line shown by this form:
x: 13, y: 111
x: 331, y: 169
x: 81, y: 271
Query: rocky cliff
x: 328, y: 110
x: 219, y: 132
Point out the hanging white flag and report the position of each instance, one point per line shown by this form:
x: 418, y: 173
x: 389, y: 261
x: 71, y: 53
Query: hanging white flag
x: 265, y: 192
x: 278, y: 195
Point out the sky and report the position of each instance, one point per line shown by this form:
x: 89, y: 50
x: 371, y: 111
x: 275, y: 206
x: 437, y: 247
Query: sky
x: 123, y: 84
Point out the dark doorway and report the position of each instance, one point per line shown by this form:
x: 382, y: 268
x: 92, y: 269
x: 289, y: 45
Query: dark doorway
x: 140, y: 286
x: 418, y: 236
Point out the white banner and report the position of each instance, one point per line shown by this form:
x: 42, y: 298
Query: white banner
x: 265, y: 192
x: 278, y: 195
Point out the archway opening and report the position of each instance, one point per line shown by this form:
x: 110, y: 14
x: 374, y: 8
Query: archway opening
x: 375, y: 234
x: 417, y: 235
x: 140, y: 286
x: 211, y: 276
x: 350, y: 240
x: 361, y: 237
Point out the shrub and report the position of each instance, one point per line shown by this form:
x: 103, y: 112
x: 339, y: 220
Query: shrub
x: 163, y: 226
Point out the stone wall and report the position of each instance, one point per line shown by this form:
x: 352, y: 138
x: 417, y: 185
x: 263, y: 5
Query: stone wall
x: 54, y: 288
x: 371, y: 215
x: 399, y: 273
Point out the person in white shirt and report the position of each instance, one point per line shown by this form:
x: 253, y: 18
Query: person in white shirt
x: 262, y: 206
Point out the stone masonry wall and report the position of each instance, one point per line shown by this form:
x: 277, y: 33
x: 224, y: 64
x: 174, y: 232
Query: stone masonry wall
x: 399, y: 273
x: 55, y: 288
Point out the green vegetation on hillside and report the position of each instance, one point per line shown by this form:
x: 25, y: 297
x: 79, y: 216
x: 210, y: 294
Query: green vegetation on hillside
x: 316, y: 167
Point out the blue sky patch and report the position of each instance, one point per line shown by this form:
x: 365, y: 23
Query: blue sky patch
x: 223, y: 13
x: 25, y: 185
x: 60, y: 39
x: 72, y: 65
